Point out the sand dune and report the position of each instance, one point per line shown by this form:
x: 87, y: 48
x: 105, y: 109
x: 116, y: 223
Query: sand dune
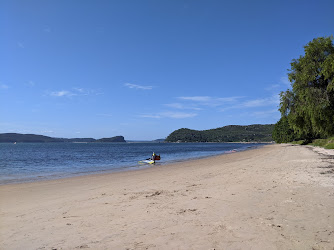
x: 276, y: 197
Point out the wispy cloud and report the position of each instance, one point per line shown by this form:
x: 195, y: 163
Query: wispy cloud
x: 224, y: 103
x: 62, y: 93
x: 210, y: 101
x: 151, y: 116
x: 265, y: 113
x: 135, y: 86
x: 4, y: 86
x: 196, y: 98
x: 30, y: 84
x: 209, y: 98
x: 182, y: 106
x: 273, y: 87
x: 74, y: 92
x: 173, y: 115
x: 280, y: 85
x: 80, y: 90
x: 285, y: 80
x: 261, y: 102
x: 255, y: 103
x: 178, y: 115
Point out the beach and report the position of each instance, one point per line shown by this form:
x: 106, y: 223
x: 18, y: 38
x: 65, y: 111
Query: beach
x: 273, y: 197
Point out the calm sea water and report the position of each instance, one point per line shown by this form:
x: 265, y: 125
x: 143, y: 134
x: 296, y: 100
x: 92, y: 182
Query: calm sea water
x: 25, y: 162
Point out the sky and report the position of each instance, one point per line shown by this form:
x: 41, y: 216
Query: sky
x: 142, y: 69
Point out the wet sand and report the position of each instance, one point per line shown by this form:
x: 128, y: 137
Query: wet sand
x: 275, y: 197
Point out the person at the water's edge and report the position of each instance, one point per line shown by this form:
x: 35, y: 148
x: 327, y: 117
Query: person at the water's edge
x: 153, y: 157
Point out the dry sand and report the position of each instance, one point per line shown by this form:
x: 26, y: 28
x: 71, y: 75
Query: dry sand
x: 276, y: 197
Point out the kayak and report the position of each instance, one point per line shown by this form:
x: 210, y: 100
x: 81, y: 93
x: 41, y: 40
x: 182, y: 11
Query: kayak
x: 146, y: 162
x: 150, y: 161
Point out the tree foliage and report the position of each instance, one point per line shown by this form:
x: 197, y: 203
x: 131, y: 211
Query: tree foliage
x: 309, y: 106
x: 283, y: 132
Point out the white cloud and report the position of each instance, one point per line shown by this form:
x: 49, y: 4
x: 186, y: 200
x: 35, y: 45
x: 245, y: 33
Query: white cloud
x: 196, y: 98
x: 230, y: 99
x: 79, y: 90
x: 262, y: 102
x: 151, y: 116
x: 285, y: 80
x: 4, y: 86
x: 209, y: 98
x: 82, y: 91
x: 266, y: 113
x: 178, y: 115
x: 210, y: 101
x: 74, y: 92
x: 273, y: 87
x: 182, y: 106
x: 62, y: 93
x: 135, y: 86
x: 174, y: 115
x: 30, y: 83
x: 255, y: 103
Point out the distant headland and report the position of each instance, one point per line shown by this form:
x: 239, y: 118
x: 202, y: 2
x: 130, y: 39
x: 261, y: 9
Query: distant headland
x: 231, y: 133
x: 14, y: 137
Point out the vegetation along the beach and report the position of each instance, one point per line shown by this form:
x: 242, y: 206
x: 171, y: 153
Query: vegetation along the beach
x: 307, y: 109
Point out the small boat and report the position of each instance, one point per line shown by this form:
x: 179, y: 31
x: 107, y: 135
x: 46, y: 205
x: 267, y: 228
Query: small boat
x: 146, y: 162
x: 150, y: 161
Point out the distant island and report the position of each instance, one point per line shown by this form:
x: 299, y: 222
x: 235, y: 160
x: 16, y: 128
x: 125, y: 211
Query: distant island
x: 14, y: 137
x: 232, y: 133
x: 112, y: 139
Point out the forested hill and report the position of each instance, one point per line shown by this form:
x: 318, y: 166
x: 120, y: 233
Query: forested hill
x: 14, y: 137
x: 232, y: 133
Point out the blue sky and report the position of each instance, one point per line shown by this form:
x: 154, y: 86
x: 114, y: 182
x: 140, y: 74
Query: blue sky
x: 142, y: 69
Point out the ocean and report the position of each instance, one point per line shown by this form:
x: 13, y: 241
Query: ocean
x: 28, y: 162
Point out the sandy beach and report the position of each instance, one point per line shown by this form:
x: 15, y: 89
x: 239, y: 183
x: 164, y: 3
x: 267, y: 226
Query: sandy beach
x: 275, y: 197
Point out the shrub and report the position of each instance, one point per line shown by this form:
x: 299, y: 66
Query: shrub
x: 330, y: 146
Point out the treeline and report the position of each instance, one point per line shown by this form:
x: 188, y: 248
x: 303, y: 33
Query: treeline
x: 232, y: 133
x: 307, y: 109
x: 14, y: 137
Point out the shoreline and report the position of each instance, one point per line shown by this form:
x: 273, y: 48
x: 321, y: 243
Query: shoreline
x: 273, y: 197
x: 121, y: 169
x: 128, y: 169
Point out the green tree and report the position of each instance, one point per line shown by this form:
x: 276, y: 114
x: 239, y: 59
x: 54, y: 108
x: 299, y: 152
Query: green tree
x: 309, y: 106
x: 282, y: 131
